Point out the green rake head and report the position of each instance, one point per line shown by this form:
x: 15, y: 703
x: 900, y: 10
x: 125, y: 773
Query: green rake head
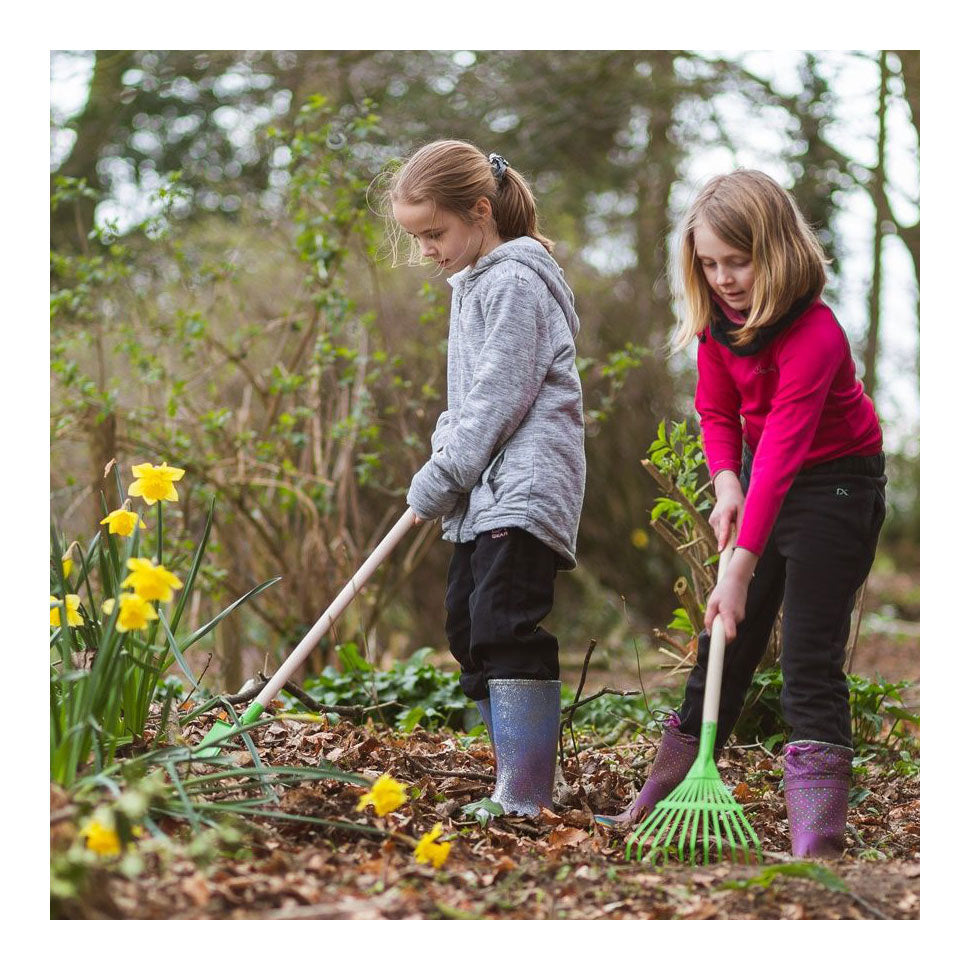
x: 699, y: 821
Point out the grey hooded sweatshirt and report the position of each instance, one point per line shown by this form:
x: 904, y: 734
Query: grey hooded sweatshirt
x: 508, y: 451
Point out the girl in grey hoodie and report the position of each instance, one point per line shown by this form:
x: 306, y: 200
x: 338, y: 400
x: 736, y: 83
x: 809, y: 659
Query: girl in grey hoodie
x: 507, y: 470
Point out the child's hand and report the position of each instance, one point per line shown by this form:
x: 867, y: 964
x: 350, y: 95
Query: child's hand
x: 728, y: 506
x: 731, y: 594
x: 727, y: 601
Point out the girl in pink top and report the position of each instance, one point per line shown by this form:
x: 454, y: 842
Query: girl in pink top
x: 795, y: 451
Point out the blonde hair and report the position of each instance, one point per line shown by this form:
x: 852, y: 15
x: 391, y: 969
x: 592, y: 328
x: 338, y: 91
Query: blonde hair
x: 454, y: 175
x: 751, y: 212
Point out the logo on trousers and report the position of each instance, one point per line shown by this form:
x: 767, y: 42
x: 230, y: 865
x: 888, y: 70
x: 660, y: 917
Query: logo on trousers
x: 841, y: 491
x: 499, y: 533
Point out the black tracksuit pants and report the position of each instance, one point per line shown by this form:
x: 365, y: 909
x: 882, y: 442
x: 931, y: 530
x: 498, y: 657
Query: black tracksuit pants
x: 500, y: 587
x: 819, y: 553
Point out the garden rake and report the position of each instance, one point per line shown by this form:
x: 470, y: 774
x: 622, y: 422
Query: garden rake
x: 213, y: 740
x: 700, y: 809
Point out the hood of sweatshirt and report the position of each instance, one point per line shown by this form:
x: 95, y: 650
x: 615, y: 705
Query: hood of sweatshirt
x: 531, y: 253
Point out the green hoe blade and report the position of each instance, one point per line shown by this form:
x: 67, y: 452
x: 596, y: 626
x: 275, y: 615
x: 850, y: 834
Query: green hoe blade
x: 209, y: 746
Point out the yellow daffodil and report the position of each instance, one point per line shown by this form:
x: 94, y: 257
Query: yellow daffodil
x: 121, y: 522
x: 74, y: 617
x: 151, y: 582
x: 153, y: 483
x: 385, y: 795
x: 133, y: 613
x: 100, y: 839
x: 429, y: 851
x: 67, y: 564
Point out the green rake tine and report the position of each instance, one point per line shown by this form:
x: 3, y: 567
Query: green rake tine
x: 754, y: 838
x: 696, y: 818
x: 734, y: 829
x: 675, y: 827
x: 652, y: 831
x: 724, y: 811
x: 745, y: 827
x: 643, y: 831
x: 662, y: 849
x: 657, y: 834
x: 705, y: 819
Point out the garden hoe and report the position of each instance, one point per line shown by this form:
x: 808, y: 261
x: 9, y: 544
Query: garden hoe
x: 213, y: 740
x: 700, y: 808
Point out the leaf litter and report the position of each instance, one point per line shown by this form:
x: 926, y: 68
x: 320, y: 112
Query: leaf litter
x: 559, y: 865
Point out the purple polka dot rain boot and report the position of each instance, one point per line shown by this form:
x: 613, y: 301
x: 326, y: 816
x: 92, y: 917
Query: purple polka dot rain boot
x: 817, y: 779
x: 675, y: 755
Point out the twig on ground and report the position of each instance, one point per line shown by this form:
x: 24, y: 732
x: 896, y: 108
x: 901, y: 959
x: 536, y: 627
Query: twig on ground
x: 592, y: 697
x: 440, y: 772
x: 473, y: 775
x: 567, y: 718
x: 198, y: 680
x: 260, y: 681
x: 504, y: 821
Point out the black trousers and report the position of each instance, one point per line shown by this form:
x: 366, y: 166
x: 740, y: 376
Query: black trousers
x: 819, y: 553
x: 500, y: 587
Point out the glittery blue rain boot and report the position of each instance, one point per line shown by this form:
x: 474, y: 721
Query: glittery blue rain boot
x: 485, y: 709
x: 525, y: 719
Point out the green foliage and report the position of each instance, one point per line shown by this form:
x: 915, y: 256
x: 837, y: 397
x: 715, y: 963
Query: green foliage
x: 679, y: 455
x: 416, y: 692
x: 483, y: 811
x: 103, y: 680
x: 613, y: 716
x: 879, y: 715
x: 611, y: 376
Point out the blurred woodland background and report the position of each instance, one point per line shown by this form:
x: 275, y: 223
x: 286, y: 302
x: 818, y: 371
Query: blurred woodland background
x: 224, y: 299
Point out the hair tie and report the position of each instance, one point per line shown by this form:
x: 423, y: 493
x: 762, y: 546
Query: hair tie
x: 499, y: 165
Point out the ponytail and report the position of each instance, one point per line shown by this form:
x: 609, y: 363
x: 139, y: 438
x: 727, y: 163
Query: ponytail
x: 455, y: 175
x: 514, y: 209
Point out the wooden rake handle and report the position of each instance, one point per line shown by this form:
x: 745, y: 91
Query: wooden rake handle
x: 715, y: 661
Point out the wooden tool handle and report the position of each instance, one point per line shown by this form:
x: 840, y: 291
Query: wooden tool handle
x: 715, y: 661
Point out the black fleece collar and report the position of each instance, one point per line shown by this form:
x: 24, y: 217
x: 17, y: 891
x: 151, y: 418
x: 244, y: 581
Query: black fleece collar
x: 723, y: 330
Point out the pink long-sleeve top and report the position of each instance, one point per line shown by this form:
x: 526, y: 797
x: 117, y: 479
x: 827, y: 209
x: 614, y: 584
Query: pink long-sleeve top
x: 796, y: 402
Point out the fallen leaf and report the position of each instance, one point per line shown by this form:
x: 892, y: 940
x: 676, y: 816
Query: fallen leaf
x: 549, y: 818
x: 567, y: 836
x: 743, y: 793
x: 196, y: 889
x: 447, y: 808
x: 703, y: 910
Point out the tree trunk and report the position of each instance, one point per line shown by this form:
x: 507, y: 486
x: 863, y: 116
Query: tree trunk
x: 882, y: 217
x: 102, y: 448
x: 94, y: 130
